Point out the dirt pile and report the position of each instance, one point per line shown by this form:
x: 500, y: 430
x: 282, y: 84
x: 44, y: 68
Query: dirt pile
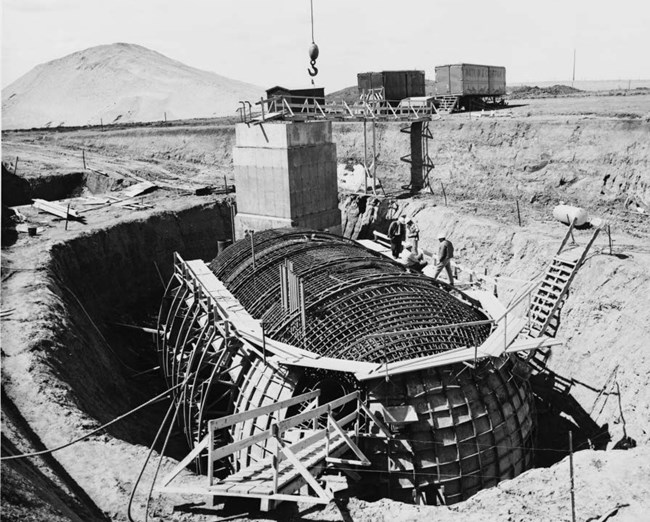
x: 527, y: 91
x: 118, y: 83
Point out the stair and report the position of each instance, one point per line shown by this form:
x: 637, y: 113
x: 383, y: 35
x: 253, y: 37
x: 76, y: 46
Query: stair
x: 447, y: 104
x: 544, y: 305
x: 551, y: 294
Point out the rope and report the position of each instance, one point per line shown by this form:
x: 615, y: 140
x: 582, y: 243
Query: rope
x: 102, y: 427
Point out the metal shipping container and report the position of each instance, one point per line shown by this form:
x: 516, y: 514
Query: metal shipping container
x: 297, y: 96
x: 497, y: 79
x: 397, y: 84
x: 470, y: 79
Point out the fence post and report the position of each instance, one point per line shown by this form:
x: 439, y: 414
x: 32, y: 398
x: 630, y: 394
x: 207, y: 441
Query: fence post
x: 276, y: 457
x: 210, y: 450
x: 327, y: 431
x: 609, y: 233
x: 67, y: 216
x: 263, y: 341
x: 573, y: 500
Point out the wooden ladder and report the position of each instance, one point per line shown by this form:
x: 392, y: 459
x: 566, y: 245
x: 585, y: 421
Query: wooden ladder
x: 546, y: 303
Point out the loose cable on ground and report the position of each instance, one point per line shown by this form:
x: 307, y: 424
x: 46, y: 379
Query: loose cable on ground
x: 90, y: 434
x: 162, y: 452
x: 151, y: 450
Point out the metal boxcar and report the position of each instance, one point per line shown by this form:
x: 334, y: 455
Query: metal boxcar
x: 397, y: 84
x: 470, y: 80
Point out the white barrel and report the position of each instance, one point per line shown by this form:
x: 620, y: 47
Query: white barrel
x: 567, y: 213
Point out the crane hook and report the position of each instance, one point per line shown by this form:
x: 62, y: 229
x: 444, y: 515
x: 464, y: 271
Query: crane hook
x: 314, y: 70
x: 313, y: 55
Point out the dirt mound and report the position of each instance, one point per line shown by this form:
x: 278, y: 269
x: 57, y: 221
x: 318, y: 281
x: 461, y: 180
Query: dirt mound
x: 118, y: 83
x: 526, y: 91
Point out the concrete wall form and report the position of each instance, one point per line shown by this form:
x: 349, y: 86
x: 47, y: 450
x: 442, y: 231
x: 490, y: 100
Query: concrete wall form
x: 285, y: 174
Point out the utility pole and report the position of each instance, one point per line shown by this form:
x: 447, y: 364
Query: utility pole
x: 574, y: 68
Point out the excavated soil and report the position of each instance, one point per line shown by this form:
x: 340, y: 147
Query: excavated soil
x: 67, y: 367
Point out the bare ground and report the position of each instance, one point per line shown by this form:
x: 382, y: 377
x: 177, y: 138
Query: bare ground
x: 486, y: 164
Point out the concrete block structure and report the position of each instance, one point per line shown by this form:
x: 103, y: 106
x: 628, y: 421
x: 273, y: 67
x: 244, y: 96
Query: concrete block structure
x: 285, y: 174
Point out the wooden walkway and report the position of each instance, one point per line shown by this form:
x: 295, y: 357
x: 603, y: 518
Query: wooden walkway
x: 304, y: 445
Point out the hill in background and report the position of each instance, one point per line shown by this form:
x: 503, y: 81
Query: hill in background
x: 118, y: 83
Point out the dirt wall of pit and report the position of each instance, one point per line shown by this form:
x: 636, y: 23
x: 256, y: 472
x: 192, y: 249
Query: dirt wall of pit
x: 69, y: 369
x: 586, y: 162
x: 604, y: 323
x: 583, y: 160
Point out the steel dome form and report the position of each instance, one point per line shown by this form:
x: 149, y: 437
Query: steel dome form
x: 460, y: 429
x: 358, y: 305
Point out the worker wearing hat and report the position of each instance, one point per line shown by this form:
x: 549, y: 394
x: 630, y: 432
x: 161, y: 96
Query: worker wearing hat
x: 445, y: 254
x: 412, y: 234
x: 396, y: 234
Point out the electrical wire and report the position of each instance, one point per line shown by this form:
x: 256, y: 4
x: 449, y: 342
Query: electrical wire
x: 96, y: 430
x: 151, y: 450
x: 162, y: 451
x: 101, y: 335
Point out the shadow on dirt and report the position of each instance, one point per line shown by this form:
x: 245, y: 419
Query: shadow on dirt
x: 558, y: 413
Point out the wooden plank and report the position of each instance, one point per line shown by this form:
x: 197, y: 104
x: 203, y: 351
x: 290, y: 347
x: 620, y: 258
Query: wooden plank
x: 234, y: 447
x: 302, y: 444
x: 334, y: 460
x: 137, y: 189
x: 489, y: 302
x: 498, y: 341
x: 533, y: 344
x: 377, y: 422
x: 296, y: 420
x: 184, y: 463
x: 54, y: 208
x: 364, y: 460
x: 324, y: 495
x: 224, y: 422
x: 206, y: 491
x: 260, y: 479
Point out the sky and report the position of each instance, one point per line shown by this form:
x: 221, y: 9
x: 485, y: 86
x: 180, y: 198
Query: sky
x: 266, y: 42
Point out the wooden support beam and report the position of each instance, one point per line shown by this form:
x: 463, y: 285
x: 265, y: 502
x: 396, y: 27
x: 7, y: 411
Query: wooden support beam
x: 185, y: 462
x: 363, y: 460
x: 322, y: 494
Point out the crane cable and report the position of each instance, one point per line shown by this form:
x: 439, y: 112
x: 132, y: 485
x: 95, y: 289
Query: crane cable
x: 313, y: 48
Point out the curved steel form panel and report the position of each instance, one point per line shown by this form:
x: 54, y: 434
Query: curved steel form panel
x: 350, y: 296
x: 470, y: 430
x: 218, y: 373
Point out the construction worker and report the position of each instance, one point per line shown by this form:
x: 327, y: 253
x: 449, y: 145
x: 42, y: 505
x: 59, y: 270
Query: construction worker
x: 412, y: 259
x: 445, y: 254
x: 412, y: 234
x: 396, y: 234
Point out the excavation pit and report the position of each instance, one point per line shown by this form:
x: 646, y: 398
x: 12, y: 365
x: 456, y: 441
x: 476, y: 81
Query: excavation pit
x: 87, y: 362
